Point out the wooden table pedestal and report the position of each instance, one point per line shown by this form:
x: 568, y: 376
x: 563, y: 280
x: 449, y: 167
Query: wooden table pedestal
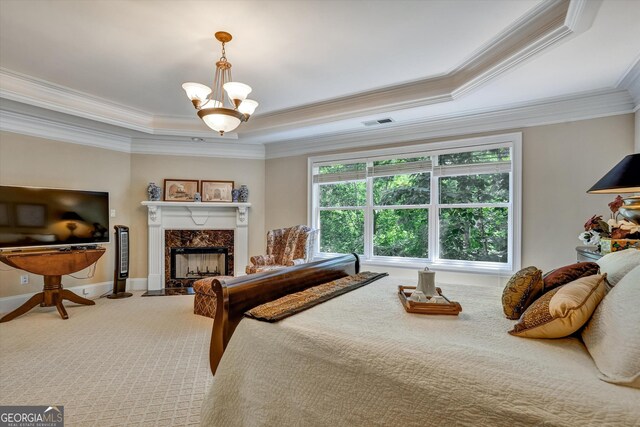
x: 52, y: 265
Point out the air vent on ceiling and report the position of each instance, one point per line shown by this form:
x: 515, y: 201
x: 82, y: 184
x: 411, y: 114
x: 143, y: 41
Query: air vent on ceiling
x: 378, y: 122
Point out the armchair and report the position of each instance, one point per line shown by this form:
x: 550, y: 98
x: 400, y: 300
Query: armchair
x: 285, y: 247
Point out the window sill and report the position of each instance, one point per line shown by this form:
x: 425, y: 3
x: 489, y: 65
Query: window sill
x: 413, y: 265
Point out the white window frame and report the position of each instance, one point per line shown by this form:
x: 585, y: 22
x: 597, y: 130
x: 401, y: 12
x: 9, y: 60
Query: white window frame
x: 511, y: 140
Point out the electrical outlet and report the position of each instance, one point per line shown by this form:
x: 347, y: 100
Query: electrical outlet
x: 24, y: 279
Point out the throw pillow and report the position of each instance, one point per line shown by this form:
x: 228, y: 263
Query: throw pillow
x: 562, y: 311
x: 618, y: 264
x: 569, y: 273
x: 612, y: 336
x: 521, y: 290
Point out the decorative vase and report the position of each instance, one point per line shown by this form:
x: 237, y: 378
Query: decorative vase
x: 197, y: 197
x: 154, y: 192
x: 243, y: 196
x: 235, y: 194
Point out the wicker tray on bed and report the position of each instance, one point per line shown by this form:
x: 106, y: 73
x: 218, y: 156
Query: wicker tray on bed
x: 451, y: 308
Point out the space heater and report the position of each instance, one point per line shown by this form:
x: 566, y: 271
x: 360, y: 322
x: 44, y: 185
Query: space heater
x: 122, y: 263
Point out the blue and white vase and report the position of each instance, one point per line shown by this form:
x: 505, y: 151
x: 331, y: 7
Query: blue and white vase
x: 197, y: 197
x: 243, y: 197
x: 235, y: 194
x: 154, y: 192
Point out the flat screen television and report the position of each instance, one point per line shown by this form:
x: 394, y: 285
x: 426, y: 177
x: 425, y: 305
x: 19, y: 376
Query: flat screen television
x: 40, y: 217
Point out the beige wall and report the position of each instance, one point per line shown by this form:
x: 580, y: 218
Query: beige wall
x: 560, y: 162
x: 147, y: 168
x: 26, y: 160
x: 40, y: 162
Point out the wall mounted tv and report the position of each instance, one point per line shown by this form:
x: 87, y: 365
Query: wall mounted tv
x: 37, y: 217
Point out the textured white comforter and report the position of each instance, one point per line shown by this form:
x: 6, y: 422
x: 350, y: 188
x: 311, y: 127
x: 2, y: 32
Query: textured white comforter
x: 361, y: 360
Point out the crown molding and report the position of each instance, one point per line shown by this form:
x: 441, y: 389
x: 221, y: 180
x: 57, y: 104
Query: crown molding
x: 175, y: 147
x: 630, y: 81
x: 40, y: 93
x: 553, y: 110
x: 50, y: 129
x: 40, y: 127
x: 542, y: 27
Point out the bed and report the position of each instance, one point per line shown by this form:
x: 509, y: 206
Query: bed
x: 361, y: 360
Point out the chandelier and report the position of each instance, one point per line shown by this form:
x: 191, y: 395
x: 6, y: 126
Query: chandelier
x: 211, y: 103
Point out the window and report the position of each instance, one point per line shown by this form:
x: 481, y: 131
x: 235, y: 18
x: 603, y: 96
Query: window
x: 452, y: 204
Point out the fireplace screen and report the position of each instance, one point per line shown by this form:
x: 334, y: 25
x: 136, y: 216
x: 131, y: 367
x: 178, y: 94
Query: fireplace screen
x: 196, y: 263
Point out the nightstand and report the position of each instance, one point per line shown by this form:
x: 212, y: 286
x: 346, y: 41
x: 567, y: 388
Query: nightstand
x: 587, y: 253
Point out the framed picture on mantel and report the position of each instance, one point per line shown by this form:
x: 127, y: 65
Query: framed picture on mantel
x: 216, y: 191
x: 180, y: 190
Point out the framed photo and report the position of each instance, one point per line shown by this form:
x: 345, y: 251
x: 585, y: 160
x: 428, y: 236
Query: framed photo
x: 216, y: 191
x: 180, y: 190
x: 31, y: 215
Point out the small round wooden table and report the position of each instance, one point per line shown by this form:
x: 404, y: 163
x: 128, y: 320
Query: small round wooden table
x: 52, y: 264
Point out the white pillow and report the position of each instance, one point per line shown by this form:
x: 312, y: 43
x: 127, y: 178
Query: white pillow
x: 618, y: 264
x: 612, y: 336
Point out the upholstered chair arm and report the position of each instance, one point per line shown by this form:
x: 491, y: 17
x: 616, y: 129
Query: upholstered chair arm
x: 297, y: 261
x: 263, y: 260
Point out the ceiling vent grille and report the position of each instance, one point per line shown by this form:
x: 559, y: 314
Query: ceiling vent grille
x: 378, y: 122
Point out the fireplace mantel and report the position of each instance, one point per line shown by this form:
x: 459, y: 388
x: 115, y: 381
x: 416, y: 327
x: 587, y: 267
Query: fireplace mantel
x: 194, y: 216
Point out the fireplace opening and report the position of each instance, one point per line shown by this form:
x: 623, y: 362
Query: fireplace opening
x: 196, y: 263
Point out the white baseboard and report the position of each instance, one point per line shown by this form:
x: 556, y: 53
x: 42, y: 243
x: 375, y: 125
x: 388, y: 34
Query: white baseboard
x: 137, y: 284
x: 93, y: 291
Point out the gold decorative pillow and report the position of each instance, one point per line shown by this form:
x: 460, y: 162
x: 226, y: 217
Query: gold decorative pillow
x: 562, y: 311
x: 521, y: 290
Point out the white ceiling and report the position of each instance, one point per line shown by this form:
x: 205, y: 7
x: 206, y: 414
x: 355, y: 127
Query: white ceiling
x: 136, y: 54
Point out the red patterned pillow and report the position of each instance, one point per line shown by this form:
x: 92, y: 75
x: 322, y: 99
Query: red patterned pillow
x: 569, y: 273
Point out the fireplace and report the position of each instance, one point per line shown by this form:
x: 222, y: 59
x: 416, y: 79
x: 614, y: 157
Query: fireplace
x: 198, y: 263
x: 175, y: 224
x: 191, y: 255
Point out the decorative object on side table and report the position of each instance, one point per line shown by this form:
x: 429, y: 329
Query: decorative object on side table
x: 613, y: 235
x: 216, y: 191
x: 243, y: 196
x: 180, y: 190
x: 623, y: 178
x: 154, y: 192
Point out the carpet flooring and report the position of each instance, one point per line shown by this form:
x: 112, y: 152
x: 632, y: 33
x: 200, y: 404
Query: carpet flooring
x: 130, y: 362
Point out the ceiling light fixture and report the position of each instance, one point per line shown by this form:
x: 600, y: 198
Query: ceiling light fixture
x: 211, y: 103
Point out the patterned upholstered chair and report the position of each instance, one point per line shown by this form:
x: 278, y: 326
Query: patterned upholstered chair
x: 285, y: 247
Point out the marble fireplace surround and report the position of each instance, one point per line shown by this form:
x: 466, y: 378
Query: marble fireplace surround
x: 196, y: 239
x: 164, y: 216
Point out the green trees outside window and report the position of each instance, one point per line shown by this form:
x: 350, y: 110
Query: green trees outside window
x: 459, y: 201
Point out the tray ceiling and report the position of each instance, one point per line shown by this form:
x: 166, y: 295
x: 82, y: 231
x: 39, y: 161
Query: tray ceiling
x: 316, y: 67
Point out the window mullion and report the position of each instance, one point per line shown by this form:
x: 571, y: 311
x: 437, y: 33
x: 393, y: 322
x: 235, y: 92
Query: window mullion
x: 368, y: 216
x: 434, y: 213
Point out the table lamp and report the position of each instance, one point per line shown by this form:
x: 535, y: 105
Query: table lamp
x: 623, y: 178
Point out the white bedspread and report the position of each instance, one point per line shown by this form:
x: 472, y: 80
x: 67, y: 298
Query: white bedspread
x: 361, y: 360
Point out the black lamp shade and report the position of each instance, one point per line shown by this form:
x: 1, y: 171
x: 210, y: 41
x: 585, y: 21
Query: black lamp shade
x: 623, y: 178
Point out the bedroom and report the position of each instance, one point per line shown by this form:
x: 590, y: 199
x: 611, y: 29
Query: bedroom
x: 91, y: 99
